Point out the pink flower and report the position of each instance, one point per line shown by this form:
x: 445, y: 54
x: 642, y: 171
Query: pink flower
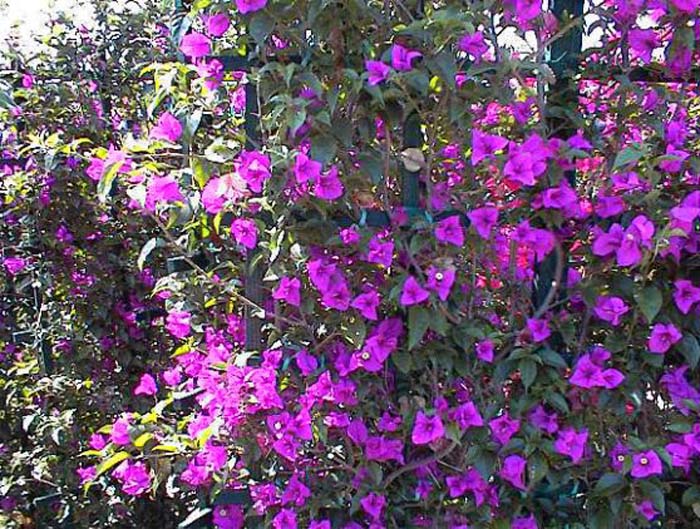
x: 168, y: 128
x: 120, y: 432
x: 450, y: 231
x: 250, y: 6
x: 195, y: 45
x: 134, y: 477
x: 217, y: 24
x: 146, y: 386
x: 289, y: 290
x: 178, y: 323
x: 245, y: 232
x: 328, y: 185
x: 86, y: 474
x: 427, y: 429
x: 402, y: 58
x: 524, y: 168
x: 254, y: 169
x: 513, y: 471
x: 162, y: 189
x: 413, y: 293
x: 685, y: 295
x: 527, y: 10
x: 378, y: 72
x: 610, y: 309
x: 663, y: 336
x: 466, y: 415
x: 306, y: 169
x: 484, y: 220
x: 571, y: 443
x: 645, y: 464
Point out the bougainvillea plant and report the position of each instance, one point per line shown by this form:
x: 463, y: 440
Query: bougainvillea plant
x: 409, y: 373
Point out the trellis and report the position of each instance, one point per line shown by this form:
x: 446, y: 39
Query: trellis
x: 564, y: 59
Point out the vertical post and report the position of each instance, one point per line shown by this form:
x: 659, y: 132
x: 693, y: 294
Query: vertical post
x: 254, y: 272
x: 410, y: 180
x: 564, y: 58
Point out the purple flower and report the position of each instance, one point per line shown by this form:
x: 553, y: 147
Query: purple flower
x: 228, y: 517
x: 571, y: 443
x: 245, y: 232
x: 686, y: 6
x: 473, y: 44
x: 14, y: 265
x: 645, y: 464
x: 320, y: 524
x: 146, y: 386
x: 610, y: 309
x: 296, y: 492
x: 539, y: 329
x: 380, y: 251
x: 379, y: 448
x: 217, y: 24
x: 450, y: 231
x: 524, y: 522
x: 306, y: 169
x: 466, y: 415
x: 178, y: 323
x: 513, y: 471
x: 484, y: 350
x: 373, y: 504
x: 440, y: 280
x: 306, y: 362
x: 544, y: 421
x: 503, y: 428
x: 663, y: 336
x: 402, y: 58
x: 86, y: 474
x: 367, y: 304
x: 681, y: 455
x: 289, y: 290
x: 413, y: 293
x: 485, y: 145
x: 195, y: 45
x: 646, y: 509
x: 643, y: 42
x: 427, y: 429
x: 378, y: 72
x: 168, y: 128
x: 484, y: 220
x: 617, y: 456
x: 685, y: 295
x: 286, y: 518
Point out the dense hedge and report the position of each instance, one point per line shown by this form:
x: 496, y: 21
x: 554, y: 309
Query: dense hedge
x: 515, y: 346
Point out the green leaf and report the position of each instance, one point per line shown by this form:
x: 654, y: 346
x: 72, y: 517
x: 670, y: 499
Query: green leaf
x: 113, y: 461
x: 609, y: 484
x: 260, y: 26
x: 528, y: 371
x: 650, y: 300
x: 628, y: 156
x: 355, y: 332
x: 323, y: 148
x: 104, y: 186
x: 552, y: 358
x: 690, y: 349
x: 418, y: 322
x: 691, y: 496
x: 402, y: 359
